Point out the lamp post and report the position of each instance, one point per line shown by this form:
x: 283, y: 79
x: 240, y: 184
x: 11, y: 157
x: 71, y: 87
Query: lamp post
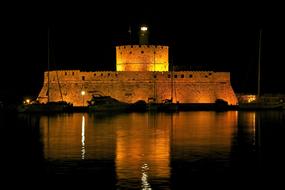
x: 82, y: 94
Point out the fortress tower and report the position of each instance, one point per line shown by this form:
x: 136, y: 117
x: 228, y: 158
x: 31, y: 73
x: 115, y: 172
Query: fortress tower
x: 142, y: 58
x: 142, y: 73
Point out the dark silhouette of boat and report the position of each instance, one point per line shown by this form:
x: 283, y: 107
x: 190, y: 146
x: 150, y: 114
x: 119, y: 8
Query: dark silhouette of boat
x: 106, y: 103
x: 168, y: 106
x: 139, y: 106
x: 261, y: 102
x: 49, y: 107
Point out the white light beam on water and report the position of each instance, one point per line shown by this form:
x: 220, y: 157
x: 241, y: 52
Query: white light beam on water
x: 145, y: 183
x: 83, y: 138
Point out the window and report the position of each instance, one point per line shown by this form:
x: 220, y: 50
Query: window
x: 83, y: 77
x: 169, y: 76
x: 175, y: 76
x: 142, y: 52
x: 190, y: 76
x: 182, y: 76
x: 65, y: 73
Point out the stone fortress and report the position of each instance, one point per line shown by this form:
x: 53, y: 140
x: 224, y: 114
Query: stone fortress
x: 142, y: 73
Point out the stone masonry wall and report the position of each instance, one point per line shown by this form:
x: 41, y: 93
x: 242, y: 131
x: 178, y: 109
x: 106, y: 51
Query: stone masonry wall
x: 183, y: 86
x: 142, y: 58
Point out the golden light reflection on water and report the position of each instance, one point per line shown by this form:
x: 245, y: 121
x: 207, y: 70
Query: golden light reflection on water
x: 199, y: 134
x: 141, y: 145
x: 76, y: 136
x: 249, y: 122
x: 62, y: 136
x: 144, y: 142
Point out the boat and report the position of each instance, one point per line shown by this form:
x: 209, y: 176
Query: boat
x: 99, y: 103
x: 29, y: 106
x: 261, y: 106
x: 138, y: 106
x: 265, y: 102
x: 49, y: 107
x: 258, y: 102
x: 168, y: 106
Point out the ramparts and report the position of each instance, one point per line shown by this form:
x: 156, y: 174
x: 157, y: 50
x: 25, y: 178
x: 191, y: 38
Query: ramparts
x: 132, y: 86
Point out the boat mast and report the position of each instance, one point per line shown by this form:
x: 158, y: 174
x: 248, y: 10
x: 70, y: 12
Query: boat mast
x: 172, y: 82
x: 154, y: 78
x: 259, y: 67
x: 48, y: 64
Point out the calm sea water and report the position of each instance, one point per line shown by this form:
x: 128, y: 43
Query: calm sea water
x: 144, y: 150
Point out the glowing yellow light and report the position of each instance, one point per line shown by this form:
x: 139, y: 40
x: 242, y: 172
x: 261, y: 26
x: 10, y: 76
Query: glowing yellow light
x: 251, y: 98
x: 27, y: 101
x: 82, y: 94
x: 143, y: 28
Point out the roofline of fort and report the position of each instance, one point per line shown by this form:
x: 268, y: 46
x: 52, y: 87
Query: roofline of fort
x: 78, y: 70
x: 142, y: 46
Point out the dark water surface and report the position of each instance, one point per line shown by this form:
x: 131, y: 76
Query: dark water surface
x: 144, y: 150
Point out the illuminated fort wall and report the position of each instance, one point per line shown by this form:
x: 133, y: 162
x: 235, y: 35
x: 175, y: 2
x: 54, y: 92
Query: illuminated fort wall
x: 131, y: 86
x: 142, y: 58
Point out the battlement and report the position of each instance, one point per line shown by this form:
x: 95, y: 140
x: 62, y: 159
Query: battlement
x: 181, y: 76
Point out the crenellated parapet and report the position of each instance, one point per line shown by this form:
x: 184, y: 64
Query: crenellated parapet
x: 187, y: 76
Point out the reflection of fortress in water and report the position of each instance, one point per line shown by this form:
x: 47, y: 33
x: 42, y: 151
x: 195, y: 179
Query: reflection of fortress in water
x: 134, y: 142
x: 142, y: 73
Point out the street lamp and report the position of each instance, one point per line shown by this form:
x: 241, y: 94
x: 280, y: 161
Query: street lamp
x: 27, y: 101
x: 82, y: 94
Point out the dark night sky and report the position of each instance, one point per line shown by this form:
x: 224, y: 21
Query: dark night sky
x: 84, y: 37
